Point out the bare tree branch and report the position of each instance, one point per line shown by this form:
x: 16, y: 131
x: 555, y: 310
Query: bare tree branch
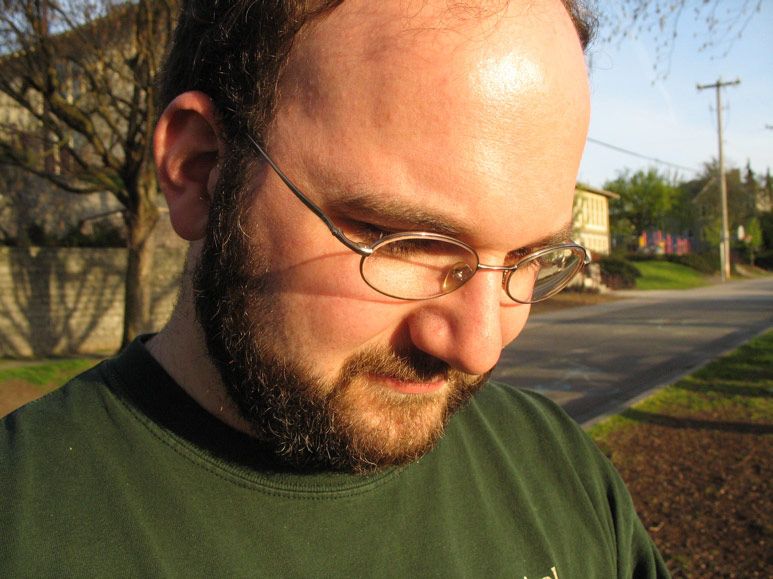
x: 722, y: 21
x: 77, y: 91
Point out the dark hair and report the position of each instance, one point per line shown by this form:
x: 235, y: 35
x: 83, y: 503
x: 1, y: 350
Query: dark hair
x: 584, y: 19
x: 235, y: 50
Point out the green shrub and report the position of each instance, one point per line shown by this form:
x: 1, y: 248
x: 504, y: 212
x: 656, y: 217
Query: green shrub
x: 706, y: 263
x: 642, y: 257
x: 618, y: 273
x: 766, y: 224
x: 764, y: 260
x: 36, y: 235
x: 101, y: 235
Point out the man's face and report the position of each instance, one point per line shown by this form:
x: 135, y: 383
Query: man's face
x: 392, y: 117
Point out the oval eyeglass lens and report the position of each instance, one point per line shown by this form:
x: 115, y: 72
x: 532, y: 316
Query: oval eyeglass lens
x: 544, y: 275
x: 418, y: 267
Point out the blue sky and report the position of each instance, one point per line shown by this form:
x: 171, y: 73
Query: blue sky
x: 670, y: 119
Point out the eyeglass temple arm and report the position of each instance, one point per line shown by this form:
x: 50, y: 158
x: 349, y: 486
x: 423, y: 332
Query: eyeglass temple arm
x: 587, y: 259
x: 356, y: 247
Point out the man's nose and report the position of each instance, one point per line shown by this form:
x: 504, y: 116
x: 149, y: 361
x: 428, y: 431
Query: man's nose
x: 469, y: 327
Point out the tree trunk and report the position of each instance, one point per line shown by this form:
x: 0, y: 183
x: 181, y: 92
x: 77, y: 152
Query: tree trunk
x: 141, y: 245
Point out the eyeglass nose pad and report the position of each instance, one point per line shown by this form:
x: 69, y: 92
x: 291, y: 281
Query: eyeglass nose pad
x: 458, y: 274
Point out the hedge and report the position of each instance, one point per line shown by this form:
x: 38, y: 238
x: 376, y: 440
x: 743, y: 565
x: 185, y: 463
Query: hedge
x: 617, y: 273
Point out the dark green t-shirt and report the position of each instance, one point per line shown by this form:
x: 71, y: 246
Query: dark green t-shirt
x: 120, y: 473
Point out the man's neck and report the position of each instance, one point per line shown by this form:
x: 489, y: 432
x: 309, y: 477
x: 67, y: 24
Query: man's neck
x: 181, y: 350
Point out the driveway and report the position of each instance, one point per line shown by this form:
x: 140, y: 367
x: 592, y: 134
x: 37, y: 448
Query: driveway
x: 598, y: 360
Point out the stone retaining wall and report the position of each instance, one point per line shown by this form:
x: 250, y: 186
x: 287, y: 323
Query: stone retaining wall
x: 60, y: 301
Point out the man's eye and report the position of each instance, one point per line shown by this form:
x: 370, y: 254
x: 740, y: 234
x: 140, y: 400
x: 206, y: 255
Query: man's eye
x: 517, y: 256
x: 367, y: 232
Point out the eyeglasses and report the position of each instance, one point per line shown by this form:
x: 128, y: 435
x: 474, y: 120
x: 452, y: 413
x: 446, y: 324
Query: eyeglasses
x: 418, y: 265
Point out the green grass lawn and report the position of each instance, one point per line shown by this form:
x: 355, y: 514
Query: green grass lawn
x: 666, y: 275
x: 49, y: 375
x: 25, y: 381
x: 742, y: 380
x: 698, y: 460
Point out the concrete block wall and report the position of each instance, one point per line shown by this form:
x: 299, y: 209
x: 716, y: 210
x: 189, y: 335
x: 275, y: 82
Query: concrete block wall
x: 62, y: 301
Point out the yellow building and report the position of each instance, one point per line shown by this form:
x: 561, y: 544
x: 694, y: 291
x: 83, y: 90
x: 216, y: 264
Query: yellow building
x: 591, y: 218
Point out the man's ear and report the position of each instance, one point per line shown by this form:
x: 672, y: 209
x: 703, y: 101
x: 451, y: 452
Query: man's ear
x: 186, y: 146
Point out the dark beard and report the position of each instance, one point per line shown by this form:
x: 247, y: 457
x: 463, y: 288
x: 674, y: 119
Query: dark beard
x: 305, y: 422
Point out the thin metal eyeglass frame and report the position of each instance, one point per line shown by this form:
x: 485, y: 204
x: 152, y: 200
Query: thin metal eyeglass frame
x: 365, y: 250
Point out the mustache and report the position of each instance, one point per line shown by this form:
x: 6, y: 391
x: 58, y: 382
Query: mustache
x: 409, y: 366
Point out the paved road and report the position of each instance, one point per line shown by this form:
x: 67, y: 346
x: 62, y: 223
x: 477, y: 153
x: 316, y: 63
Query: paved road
x: 597, y: 360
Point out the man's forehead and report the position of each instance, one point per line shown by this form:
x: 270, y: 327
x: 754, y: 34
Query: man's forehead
x: 370, y: 58
x: 387, y: 40
x: 475, y: 111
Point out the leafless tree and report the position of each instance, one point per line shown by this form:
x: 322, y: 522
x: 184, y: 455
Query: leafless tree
x: 78, y: 109
x: 722, y: 23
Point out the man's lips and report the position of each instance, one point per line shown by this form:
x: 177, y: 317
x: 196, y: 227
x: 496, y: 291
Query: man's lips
x: 407, y: 386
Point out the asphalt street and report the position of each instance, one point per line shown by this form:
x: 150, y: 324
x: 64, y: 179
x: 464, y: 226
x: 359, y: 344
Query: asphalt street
x: 598, y: 360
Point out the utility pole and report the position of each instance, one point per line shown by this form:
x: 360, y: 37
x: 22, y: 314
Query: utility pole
x: 724, y: 244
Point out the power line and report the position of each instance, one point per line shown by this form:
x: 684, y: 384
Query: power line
x: 635, y: 154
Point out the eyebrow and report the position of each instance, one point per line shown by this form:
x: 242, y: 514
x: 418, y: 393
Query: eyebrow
x: 558, y: 237
x: 388, y: 212
x: 562, y: 235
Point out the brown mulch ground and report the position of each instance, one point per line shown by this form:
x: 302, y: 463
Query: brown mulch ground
x: 15, y: 393
x: 703, y: 489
